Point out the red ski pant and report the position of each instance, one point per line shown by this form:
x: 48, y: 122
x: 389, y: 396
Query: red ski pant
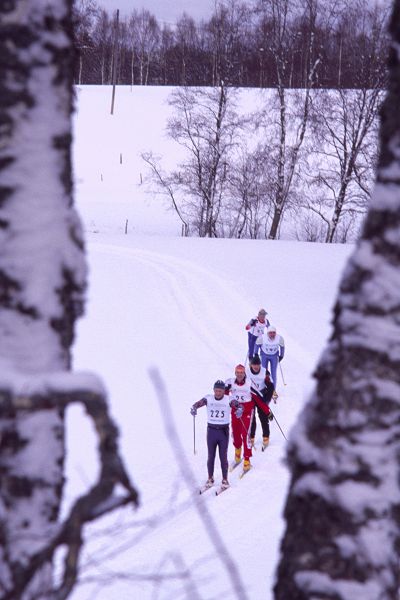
x: 241, y: 431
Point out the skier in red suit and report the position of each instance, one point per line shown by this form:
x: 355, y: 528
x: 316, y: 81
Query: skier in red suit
x: 241, y: 389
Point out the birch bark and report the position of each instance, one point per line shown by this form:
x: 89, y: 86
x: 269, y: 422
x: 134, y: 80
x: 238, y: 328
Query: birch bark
x: 342, y: 537
x: 42, y: 283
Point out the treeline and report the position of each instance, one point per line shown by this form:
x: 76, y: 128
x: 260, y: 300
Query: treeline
x: 238, y: 44
x: 298, y: 164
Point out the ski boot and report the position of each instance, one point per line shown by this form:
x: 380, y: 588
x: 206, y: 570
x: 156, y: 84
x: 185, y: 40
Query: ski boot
x: 246, y: 465
x: 238, y: 455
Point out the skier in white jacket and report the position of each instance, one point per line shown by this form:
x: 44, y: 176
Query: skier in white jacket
x: 272, y: 352
x: 255, y: 329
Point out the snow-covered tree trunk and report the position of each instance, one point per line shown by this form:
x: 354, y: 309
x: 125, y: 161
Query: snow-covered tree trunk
x: 342, y: 539
x: 42, y: 280
x: 41, y: 265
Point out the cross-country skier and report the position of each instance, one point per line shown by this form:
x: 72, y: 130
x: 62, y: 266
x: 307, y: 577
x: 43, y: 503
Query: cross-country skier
x: 256, y: 328
x: 260, y: 379
x: 218, y: 418
x: 241, y: 389
x: 272, y: 352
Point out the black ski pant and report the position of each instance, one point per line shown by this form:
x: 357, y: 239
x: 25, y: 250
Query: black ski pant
x: 264, y: 423
x: 217, y: 437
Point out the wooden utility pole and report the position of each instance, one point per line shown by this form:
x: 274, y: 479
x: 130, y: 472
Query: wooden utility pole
x: 115, y: 59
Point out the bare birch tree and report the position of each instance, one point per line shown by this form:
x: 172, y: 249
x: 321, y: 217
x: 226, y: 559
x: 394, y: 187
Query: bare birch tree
x: 145, y: 36
x: 344, y: 128
x: 250, y: 213
x: 103, y: 40
x: 186, y: 41
x: 85, y: 12
x: 43, y: 279
x: 226, y: 34
x: 345, y: 132
x: 342, y: 537
x: 281, y: 145
x: 206, y: 126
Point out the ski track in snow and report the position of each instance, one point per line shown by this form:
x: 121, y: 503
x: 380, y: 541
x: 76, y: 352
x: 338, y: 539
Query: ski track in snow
x: 183, y: 288
x: 184, y: 282
x: 180, y: 275
x: 183, y: 311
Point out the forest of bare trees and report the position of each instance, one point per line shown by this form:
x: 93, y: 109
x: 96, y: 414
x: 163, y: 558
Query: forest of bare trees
x: 309, y: 151
x: 239, y: 44
x: 300, y: 165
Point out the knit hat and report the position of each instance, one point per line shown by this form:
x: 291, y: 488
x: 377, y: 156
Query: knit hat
x: 219, y: 385
x: 255, y: 360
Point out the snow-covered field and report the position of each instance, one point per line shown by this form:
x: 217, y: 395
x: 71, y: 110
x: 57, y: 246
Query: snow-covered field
x: 180, y: 305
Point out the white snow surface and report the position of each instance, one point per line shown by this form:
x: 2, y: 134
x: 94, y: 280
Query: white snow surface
x: 180, y: 305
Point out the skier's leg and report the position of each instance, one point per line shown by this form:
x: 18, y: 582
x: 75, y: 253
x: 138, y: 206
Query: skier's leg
x: 246, y: 422
x: 264, y: 360
x: 253, y: 426
x: 223, y: 451
x: 236, y: 432
x: 212, y: 447
x: 251, y: 339
x: 274, y: 366
x: 264, y: 422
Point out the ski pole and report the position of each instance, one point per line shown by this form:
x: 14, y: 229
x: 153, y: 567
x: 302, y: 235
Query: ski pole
x: 278, y: 424
x: 194, y: 434
x: 283, y: 379
x: 246, y: 429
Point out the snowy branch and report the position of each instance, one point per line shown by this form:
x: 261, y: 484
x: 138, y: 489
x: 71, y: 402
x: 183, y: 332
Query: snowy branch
x: 99, y: 500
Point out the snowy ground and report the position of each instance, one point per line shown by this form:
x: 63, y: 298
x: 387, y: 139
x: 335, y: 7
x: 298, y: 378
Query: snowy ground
x: 180, y: 305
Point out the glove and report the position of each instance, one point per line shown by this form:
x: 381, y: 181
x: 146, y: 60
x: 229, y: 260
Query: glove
x: 280, y: 358
x: 239, y: 411
x: 253, y: 322
x: 270, y: 416
x: 235, y: 403
x: 193, y: 411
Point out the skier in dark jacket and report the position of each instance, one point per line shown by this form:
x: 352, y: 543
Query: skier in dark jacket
x: 218, y: 418
x: 261, y: 380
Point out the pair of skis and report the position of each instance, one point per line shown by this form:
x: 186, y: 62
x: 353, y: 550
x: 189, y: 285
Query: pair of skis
x: 208, y: 486
x: 234, y: 465
x: 263, y: 447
